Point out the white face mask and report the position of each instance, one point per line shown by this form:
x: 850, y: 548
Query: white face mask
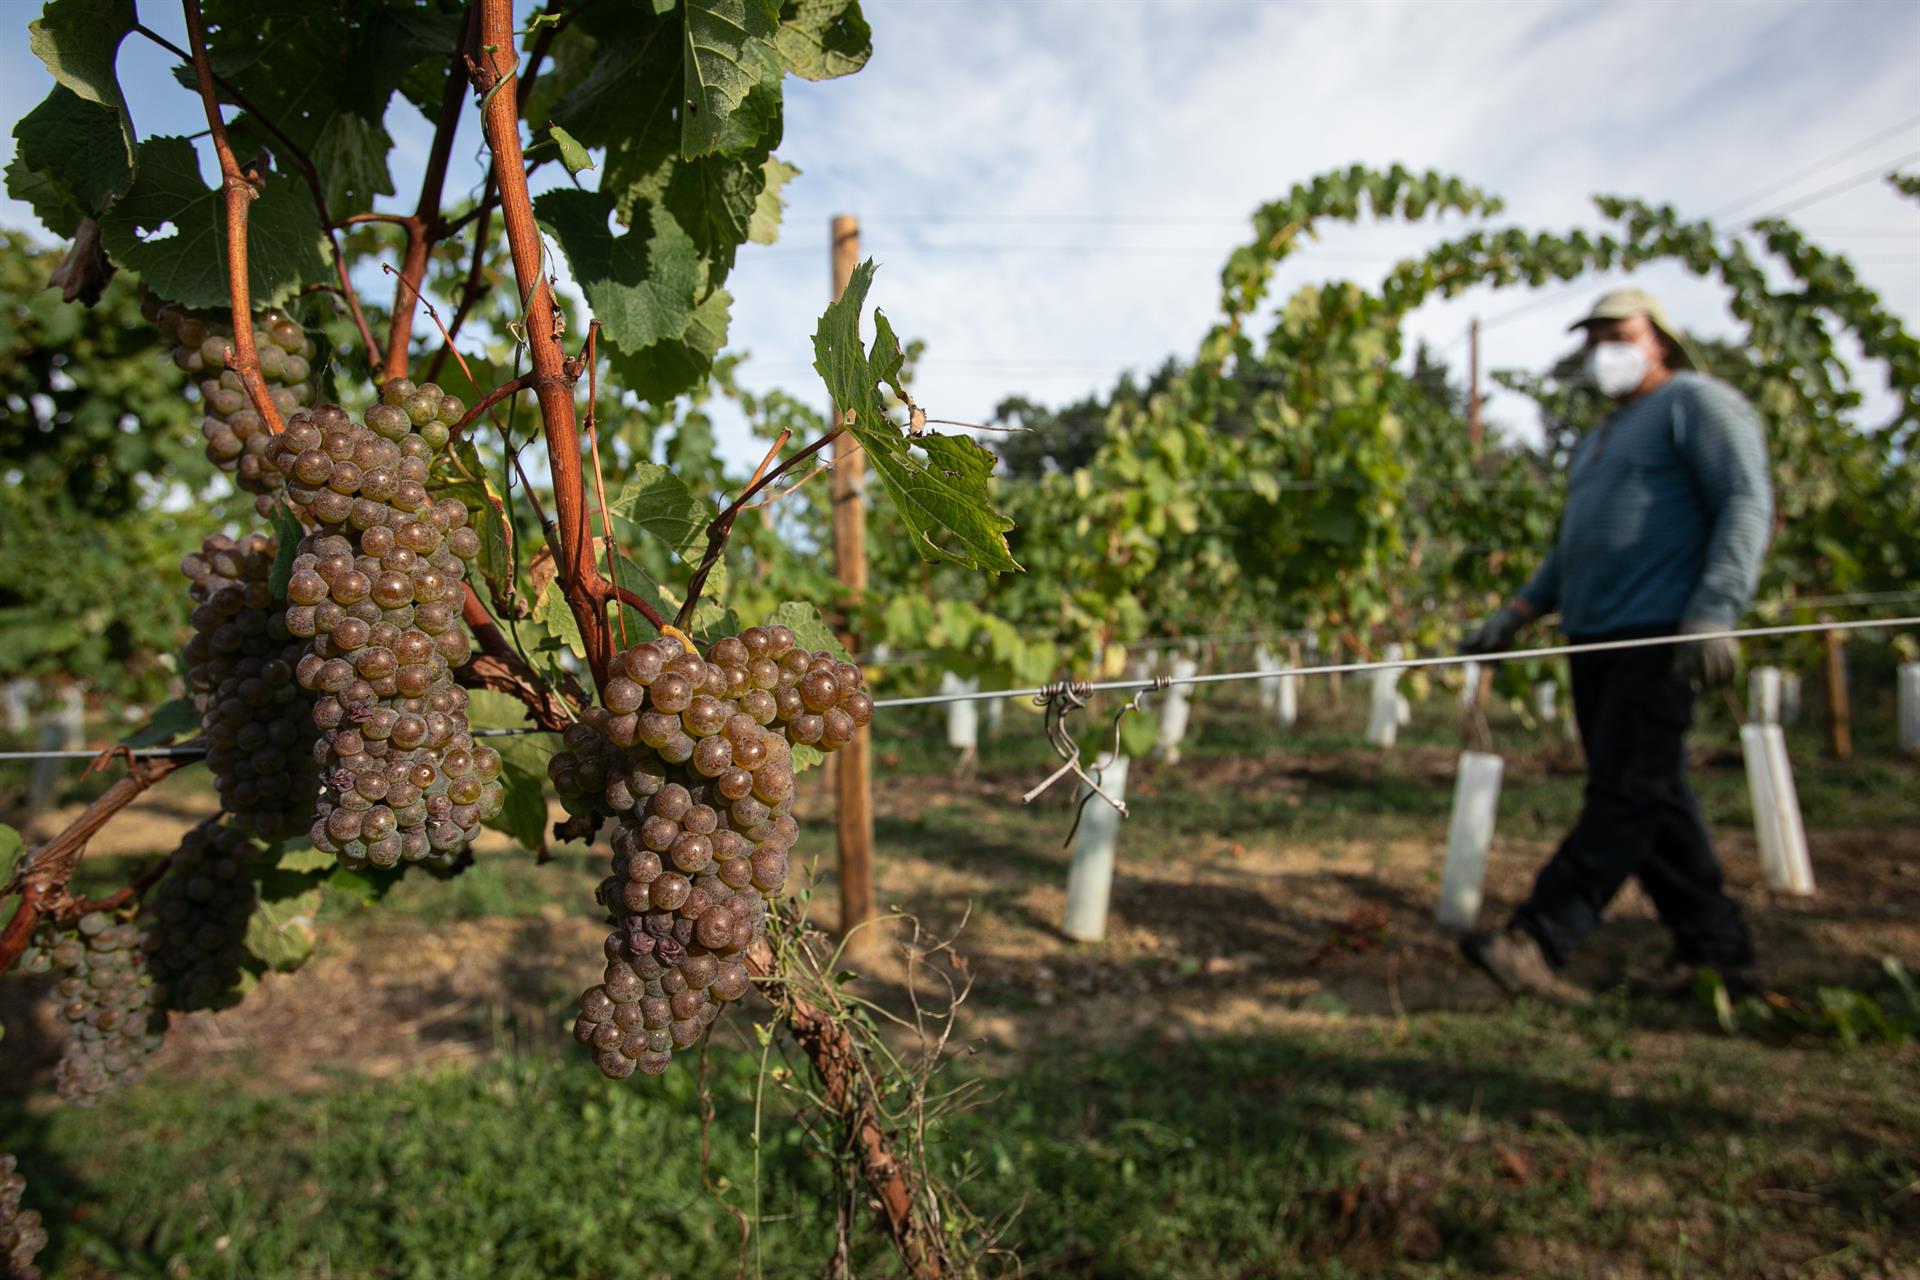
x: 1616, y: 368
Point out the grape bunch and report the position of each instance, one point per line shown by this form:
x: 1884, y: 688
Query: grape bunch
x: 692, y: 759
x: 194, y: 923
x: 256, y: 719
x: 236, y: 435
x: 21, y: 1234
x: 376, y: 591
x: 106, y: 1001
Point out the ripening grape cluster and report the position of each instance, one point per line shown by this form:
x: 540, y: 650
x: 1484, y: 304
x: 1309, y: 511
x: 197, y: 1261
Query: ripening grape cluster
x: 21, y: 1234
x: 254, y: 716
x: 236, y: 435
x: 692, y: 759
x: 376, y: 591
x: 106, y: 1002
x: 194, y: 922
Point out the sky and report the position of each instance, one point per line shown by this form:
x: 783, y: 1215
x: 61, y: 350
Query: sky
x: 1050, y: 186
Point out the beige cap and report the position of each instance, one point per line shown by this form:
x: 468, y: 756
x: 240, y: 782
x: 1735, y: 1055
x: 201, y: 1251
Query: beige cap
x: 1619, y: 304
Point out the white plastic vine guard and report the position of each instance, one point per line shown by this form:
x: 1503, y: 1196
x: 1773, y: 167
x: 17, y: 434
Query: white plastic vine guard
x: 963, y: 718
x: 1286, y: 699
x: 1777, y: 827
x: 1470, y: 673
x: 1383, y: 710
x: 1476, y: 801
x: 994, y: 712
x: 1764, y: 690
x: 1546, y: 701
x: 1175, y: 714
x: 1265, y: 660
x: 1090, y: 877
x: 1790, y: 698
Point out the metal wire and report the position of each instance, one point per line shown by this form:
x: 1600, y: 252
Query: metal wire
x: 1405, y: 664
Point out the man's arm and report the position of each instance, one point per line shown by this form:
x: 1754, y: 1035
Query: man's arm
x: 1541, y: 595
x: 1722, y: 442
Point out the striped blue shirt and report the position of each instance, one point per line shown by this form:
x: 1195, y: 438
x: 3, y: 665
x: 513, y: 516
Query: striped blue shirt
x: 1668, y: 512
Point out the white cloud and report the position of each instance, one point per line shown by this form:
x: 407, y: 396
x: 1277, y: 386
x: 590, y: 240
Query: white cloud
x: 1189, y: 114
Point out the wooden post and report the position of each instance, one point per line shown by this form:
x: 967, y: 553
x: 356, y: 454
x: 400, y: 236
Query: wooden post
x: 1839, y: 715
x: 1473, y: 380
x: 853, y: 787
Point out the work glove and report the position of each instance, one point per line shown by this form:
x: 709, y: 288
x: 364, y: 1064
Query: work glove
x: 1708, y: 662
x: 1496, y: 631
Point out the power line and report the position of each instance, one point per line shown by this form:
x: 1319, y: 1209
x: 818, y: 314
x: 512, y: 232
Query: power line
x: 1858, y: 179
x: 1807, y: 172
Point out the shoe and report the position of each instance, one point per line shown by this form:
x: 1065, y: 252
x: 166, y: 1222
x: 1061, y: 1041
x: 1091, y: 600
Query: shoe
x: 1513, y: 959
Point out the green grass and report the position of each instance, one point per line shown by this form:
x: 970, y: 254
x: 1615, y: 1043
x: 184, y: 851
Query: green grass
x: 1449, y: 1144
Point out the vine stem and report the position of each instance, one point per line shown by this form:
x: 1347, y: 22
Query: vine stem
x: 43, y: 881
x: 238, y: 192
x: 587, y: 593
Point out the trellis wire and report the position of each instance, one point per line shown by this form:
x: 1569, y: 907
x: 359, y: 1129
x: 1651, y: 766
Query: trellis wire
x: 1161, y: 682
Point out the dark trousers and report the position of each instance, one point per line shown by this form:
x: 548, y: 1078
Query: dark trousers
x: 1640, y: 817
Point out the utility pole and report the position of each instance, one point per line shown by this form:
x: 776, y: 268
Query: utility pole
x: 853, y: 787
x: 1473, y: 381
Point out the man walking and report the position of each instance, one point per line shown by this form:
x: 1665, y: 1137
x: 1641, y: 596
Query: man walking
x: 1667, y: 514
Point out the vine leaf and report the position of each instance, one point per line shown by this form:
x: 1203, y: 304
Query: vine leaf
x: 672, y: 366
x: 728, y: 47
x: 662, y: 506
x: 523, y: 766
x: 287, y: 535
x: 823, y: 39
x: 171, y: 229
x: 73, y: 147
x: 641, y: 284
x: 941, y: 496
x: 809, y: 628
x: 551, y: 611
x: 764, y: 226
x: 11, y: 847
x: 79, y: 41
x: 169, y: 720
x: 280, y: 932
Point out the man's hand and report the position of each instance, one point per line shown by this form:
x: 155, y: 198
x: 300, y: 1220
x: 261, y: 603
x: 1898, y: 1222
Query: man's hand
x: 1496, y: 632
x: 1709, y: 662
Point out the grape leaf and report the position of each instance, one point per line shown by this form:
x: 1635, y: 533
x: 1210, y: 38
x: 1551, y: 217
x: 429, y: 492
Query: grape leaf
x: 11, y: 848
x: 171, y: 228
x: 764, y: 226
x: 76, y: 146
x: 79, y: 40
x: 280, y: 932
x: 822, y: 39
x: 941, y: 497
x: 523, y: 765
x: 728, y: 47
x: 809, y: 628
x: 552, y: 612
x: 287, y: 534
x: 674, y: 366
x: 50, y: 201
x: 640, y: 284
x: 304, y: 859
x: 655, y: 499
x: 168, y: 721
